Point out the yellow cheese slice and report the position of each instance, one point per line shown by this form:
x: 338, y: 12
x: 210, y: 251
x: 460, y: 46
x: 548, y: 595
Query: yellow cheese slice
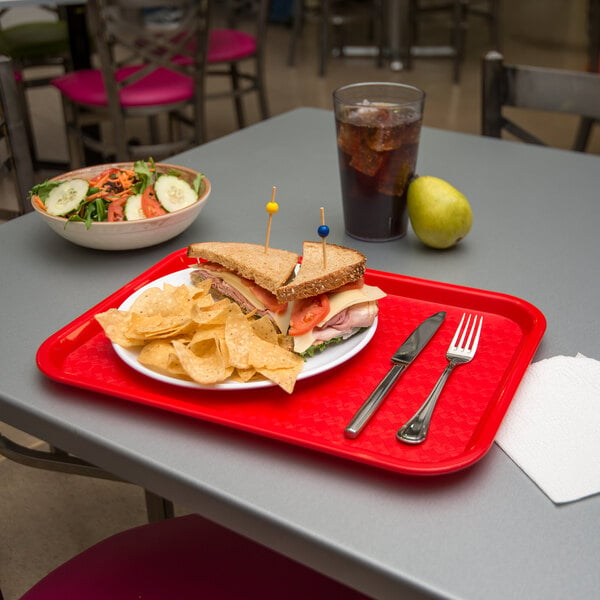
x: 337, y: 303
x: 282, y: 321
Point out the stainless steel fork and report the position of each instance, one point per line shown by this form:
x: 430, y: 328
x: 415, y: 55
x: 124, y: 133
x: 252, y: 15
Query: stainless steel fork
x: 459, y: 352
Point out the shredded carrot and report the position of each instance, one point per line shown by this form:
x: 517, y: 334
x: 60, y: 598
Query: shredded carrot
x: 101, y: 178
x: 95, y: 195
x: 126, y: 179
x: 39, y: 202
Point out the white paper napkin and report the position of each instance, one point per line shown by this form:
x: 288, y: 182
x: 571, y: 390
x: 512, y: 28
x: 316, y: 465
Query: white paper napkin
x: 552, y: 427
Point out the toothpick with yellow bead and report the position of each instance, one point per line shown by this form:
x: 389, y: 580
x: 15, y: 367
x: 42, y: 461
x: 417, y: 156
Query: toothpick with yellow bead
x: 272, y: 207
x: 323, y: 232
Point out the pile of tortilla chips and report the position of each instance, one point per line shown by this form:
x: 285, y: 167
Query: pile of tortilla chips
x: 183, y: 332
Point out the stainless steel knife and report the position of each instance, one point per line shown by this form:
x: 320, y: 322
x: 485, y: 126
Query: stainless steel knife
x: 409, y: 350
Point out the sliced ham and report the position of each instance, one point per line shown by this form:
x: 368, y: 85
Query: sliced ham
x: 347, y: 322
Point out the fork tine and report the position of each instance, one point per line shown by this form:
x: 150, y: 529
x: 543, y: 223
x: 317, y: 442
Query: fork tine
x: 471, y: 331
x: 476, y: 340
x: 465, y: 331
x: 457, y: 333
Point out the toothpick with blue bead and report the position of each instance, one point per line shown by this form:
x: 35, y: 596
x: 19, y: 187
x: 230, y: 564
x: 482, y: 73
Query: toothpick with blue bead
x: 323, y: 232
x: 272, y: 207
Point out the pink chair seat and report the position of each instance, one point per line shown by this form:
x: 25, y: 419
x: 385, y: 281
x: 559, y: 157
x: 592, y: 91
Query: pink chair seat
x: 161, y: 86
x: 185, y: 558
x: 228, y: 44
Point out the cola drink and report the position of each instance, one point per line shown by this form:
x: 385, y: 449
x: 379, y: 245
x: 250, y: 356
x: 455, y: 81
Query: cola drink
x: 378, y: 144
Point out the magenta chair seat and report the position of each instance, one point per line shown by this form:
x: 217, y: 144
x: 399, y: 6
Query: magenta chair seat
x: 228, y: 44
x: 185, y: 558
x: 162, y: 86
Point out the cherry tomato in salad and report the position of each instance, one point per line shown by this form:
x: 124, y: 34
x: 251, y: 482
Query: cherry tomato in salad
x: 150, y: 205
x: 115, y: 211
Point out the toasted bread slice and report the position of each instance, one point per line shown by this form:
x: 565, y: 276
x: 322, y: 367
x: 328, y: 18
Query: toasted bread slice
x: 344, y: 265
x: 270, y: 269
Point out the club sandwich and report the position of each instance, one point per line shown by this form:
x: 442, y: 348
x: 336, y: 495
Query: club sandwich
x: 247, y: 274
x: 330, y: 301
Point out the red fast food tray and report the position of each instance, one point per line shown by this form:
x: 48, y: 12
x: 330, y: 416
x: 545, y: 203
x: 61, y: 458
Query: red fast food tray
x: 466, y: 418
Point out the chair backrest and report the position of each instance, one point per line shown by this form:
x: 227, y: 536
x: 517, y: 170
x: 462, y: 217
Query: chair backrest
x: 248, y: 15
x: 154, y: 34
x: 13, y: 130
x: 538, y: 88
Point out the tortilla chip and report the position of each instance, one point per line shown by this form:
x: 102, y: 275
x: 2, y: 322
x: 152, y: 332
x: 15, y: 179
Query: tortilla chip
x: 238, y: 338
x: 186, y: 334
x: 207, y: 368
x: 116, y: 327
x: 161, y: 356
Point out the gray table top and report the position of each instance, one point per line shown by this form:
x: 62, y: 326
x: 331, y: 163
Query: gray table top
x: 485, y: 532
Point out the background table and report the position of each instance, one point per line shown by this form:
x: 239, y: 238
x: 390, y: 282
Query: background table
x: 485, y: 532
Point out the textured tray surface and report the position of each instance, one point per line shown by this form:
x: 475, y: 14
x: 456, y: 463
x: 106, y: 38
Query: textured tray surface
x: 466, y: 419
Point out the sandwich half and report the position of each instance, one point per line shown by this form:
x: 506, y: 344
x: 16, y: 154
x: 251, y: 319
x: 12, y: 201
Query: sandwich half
x: 248, y: 275
x: 329, y: 302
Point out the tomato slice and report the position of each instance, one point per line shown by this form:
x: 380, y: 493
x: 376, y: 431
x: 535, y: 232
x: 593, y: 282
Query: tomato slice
x: 150, y: 205
x: 353, y: 285
x: 211, y: 266
x: 115, y: 212
x: 266, y: 297
x: 307, y: 313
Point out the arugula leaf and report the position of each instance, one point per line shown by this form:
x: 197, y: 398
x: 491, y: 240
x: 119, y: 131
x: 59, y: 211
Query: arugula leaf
x: 43, y: 189
x: 310, y: 352
x: 145, y: 172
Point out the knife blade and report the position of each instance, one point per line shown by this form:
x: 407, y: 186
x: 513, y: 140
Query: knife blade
x: 402, y: 358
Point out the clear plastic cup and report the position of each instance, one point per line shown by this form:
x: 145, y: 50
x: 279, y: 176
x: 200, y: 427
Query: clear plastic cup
x: 378, y: 128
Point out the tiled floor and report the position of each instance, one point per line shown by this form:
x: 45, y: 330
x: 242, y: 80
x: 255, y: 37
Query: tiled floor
x: 45, y: 518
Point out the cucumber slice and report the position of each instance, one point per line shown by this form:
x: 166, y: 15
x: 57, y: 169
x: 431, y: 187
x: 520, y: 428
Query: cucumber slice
x: 174, y: 193
x: 66, y: 197
x: 133, y: 208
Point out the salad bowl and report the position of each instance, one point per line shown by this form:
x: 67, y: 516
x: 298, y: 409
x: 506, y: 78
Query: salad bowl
x: 127, y: 233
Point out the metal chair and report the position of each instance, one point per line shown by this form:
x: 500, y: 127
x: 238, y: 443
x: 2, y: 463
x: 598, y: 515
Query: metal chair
x: 458, y: 13
x: 55, y: 459
x: 552, y: 90
x: 334, y: 16
x: 236, y: 51
x: 183, y: 558
x: 593, y: 22
x: 16, y: 157
x: 152, y: 57
x: 31, y: 45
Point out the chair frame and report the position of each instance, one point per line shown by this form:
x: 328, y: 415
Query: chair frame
x: 120, y: 43
x: 332, y: 17
x: 460, y: 11
x: 537, y: 88
x: 54, y: 459
x: 13, y: 123
x: 242, y: 81
x: 63, y: 61
x: 586, y: 125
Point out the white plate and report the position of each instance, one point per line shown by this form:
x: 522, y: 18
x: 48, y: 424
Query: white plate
x: 333, y: 356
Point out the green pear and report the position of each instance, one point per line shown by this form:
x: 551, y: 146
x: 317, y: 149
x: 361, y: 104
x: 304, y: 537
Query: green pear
x: 439, y: 214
